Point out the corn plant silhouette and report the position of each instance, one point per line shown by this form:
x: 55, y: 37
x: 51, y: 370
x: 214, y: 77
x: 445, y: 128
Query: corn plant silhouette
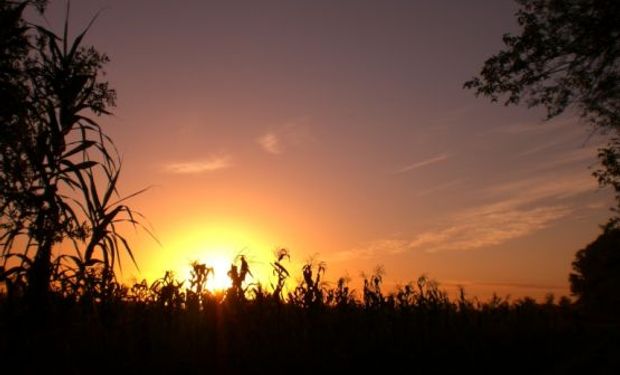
x: 342, y: 296
x: 310, y: 292
x: 373, y: 297
x: 238, y: 273
x: 280, y: 272
x: 168, y: 291
x: 195, y: 294
x: 53, y: 151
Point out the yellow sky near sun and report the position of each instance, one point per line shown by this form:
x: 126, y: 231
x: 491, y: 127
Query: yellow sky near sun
x: 217, y: 245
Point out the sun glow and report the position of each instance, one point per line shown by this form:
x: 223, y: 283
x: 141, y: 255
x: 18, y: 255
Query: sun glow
x: 218, y: 279
x: 216, y: 246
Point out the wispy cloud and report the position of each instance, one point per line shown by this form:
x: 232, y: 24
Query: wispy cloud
x: 441, y: 187
x: 271, y: 143
x: 511, y: 285
x: 517, y: 209
x: 537, y: 126
x: 280, y: 139
x: 570, y: 158
x: 371, y: 249
x: 481, y: 227
x: 541, y: 147
x: 547, y: 186
x: 487, y: 226
x: 211, y: 164
x: 512, y: 210
x: 423, y: 163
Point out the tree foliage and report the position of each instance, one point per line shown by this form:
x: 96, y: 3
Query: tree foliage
x: 567, y: 56
x: 609, y: 175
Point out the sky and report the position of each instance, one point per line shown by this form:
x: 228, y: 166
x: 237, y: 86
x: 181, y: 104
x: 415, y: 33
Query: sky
x: 339, y: 130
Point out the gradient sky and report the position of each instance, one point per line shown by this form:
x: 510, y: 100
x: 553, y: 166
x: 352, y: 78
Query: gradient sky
x: 340, y: 129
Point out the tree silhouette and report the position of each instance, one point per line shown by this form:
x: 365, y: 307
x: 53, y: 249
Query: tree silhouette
x: 51, y: 153
x: 567, y: 56
x: 596, y: 277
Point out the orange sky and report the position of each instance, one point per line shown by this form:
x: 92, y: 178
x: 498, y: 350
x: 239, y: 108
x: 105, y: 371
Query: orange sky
x: 340, y: 130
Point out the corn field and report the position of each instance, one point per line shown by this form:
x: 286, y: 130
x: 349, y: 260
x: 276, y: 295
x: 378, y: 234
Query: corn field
x: 95, y: 324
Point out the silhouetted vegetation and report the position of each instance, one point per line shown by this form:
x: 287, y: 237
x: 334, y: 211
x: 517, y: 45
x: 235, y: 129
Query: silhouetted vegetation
x: 58, y: 169
x: 566, y: 56
x: 596, y: 281
x: 173, y: 326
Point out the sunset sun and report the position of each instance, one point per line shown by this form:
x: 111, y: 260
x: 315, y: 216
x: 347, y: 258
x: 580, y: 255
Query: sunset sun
x: 218, y: 280
x: 217, y: 246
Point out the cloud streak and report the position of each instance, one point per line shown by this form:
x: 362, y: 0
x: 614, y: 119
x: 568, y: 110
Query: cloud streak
x: 371, y: 249
x: 441, y: 187
x: 519, y: 209
x: 270, y: 143
x: 515, y: 209
x: 495, y: 285
x: 283, y: 138
x: 211, y: 164
x: 538, y: 188
x: 423, y: 163
x: 487, y: 226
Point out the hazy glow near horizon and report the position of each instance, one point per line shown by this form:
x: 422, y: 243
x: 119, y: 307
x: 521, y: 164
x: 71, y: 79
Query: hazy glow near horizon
x: 340, y: 131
